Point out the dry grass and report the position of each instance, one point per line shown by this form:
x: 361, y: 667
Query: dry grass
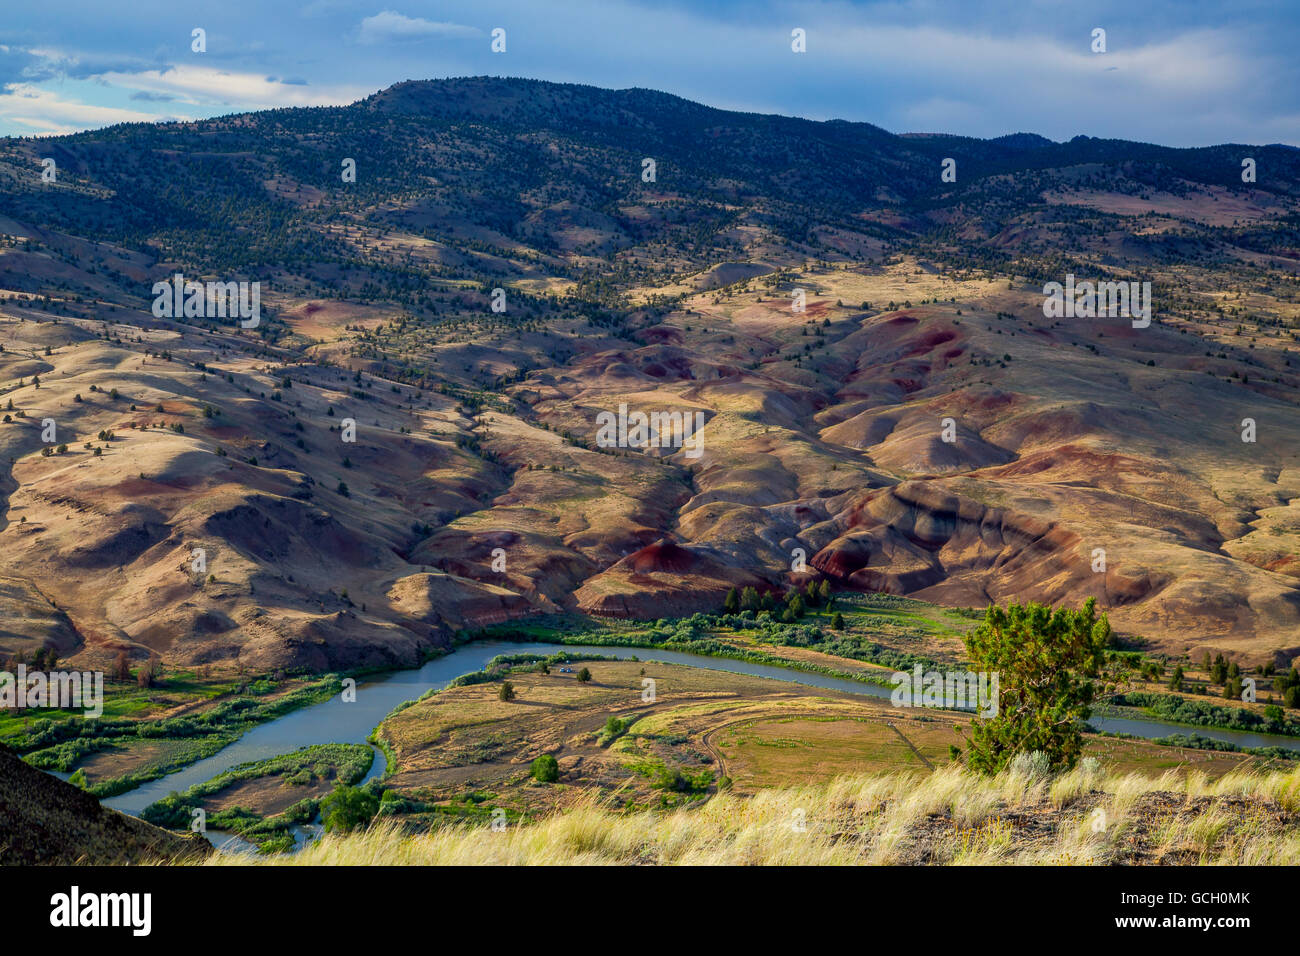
x: 949, y: 817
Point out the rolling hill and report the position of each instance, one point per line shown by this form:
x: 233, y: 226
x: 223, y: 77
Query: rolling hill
x: 920, y: 427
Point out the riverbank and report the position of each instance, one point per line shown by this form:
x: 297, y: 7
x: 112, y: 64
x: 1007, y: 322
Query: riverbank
x: 263, y: 801
x: 122, y: 753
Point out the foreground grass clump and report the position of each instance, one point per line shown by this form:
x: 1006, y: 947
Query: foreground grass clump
x: 1024, y: 815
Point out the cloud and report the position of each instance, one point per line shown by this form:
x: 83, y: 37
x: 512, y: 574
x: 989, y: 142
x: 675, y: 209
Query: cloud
x: 46, y: 111
x: 53, y: 63
x: 199, y: 85
x: 390, y: 26
x: 19, y: 65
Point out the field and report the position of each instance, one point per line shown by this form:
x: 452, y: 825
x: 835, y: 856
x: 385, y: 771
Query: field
x: 464, y: 752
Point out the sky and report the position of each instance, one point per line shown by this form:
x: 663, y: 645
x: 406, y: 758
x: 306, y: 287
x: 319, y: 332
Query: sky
x: 1174, y: 72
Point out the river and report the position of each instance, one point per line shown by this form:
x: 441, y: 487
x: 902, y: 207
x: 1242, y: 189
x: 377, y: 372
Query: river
x: 336, y: 721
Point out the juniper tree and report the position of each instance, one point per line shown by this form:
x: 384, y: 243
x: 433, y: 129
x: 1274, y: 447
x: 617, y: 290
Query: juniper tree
x: 1219, y: 670
x: 1051, y: 665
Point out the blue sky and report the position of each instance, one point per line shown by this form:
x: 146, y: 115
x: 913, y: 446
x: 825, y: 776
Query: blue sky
x: 1185, y: 73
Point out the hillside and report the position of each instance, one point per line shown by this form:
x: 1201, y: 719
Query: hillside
x: 47, y: 821
x: 476, y: 431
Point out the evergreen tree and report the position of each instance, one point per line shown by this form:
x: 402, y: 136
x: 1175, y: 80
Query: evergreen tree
x: 1050, y: 664
x: 1219, y: 670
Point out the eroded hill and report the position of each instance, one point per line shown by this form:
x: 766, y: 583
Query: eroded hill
x: 918, y: 427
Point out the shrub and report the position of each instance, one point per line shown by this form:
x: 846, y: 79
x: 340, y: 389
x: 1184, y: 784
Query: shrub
x: 1035, y: 765
x: 545, y: 769
x: 347, y: 808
